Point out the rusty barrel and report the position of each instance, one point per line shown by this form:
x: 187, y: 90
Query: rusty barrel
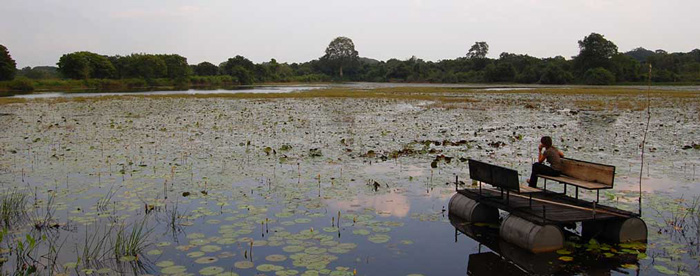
x: 471, y: 210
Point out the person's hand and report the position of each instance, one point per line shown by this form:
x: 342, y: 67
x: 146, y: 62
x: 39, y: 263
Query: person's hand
x: 539, y: 148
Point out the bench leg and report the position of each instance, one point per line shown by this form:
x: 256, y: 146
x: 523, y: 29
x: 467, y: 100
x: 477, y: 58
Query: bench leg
x: 545, y: 185
x: 576, y: 192
x: 597, y: 195
x: 507, y: 197
x: 564, y: 188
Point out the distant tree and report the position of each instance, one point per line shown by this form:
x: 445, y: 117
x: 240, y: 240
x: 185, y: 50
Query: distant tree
x: 145, y: 66
x: 39, y: 72
x: 528, y: 75
x: 624, y: 67
x: 594, y: 51
x: 240, y: 68
x: 85, y: 65
x: 177, y: 67
x: 206, y: 69
x: 503, y: 72
x: 598, y: 76
x: 478, y: 50
x: 554, y: 74
x: 74, y: 66
x: 341, y: 53
x: 8, y: 66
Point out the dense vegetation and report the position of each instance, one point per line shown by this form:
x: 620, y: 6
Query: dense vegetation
x: 598, y: 63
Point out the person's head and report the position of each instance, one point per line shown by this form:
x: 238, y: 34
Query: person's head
x: 546, y: 141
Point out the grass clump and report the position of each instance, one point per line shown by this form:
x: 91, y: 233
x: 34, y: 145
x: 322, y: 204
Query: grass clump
x: 129, y: 243
x: 13, y: 208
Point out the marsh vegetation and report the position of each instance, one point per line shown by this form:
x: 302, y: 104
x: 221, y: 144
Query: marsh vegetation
x: 336, y: 181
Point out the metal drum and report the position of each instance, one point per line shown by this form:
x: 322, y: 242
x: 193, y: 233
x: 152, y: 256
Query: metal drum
x: 530, y: 236
x: 471, y: 210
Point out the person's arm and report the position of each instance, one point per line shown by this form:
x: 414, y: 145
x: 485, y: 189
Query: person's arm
x: 561, y: 154
x: 540, y: 157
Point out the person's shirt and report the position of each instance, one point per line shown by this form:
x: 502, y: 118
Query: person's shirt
x: 551, y: 154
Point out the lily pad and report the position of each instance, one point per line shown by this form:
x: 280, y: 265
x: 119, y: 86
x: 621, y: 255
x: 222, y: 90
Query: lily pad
x: 211, y: 270
x: 244, y: 264
x: 276, y: 258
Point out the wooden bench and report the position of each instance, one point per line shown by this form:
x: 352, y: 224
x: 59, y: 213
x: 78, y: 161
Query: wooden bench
x: 587, y: 175
x: 500, y: 177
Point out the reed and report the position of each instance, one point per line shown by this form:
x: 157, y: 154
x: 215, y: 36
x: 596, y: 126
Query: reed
x: 131, y: 242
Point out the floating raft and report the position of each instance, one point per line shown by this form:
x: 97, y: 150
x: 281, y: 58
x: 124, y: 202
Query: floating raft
x: 535, y: 221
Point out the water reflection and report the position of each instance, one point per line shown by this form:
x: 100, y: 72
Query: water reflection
x: 385, y: 205
x: 244, y: 89
x: 507, y: 259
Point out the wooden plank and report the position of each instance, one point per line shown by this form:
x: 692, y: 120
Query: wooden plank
x: 528, y: 189
x: 577, y: 182
x: 589, y: 172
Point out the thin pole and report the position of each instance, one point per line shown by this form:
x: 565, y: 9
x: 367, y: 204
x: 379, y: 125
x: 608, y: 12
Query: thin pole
x: 644, y: 140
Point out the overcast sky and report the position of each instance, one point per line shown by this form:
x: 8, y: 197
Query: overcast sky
x: 38, y: 32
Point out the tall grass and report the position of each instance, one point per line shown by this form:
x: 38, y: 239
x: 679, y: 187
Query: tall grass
x: 94, y: 249
x: 131, y: 242
x: 13, y: 208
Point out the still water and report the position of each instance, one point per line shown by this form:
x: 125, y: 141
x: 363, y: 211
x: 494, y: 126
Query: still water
x: 325, y: 186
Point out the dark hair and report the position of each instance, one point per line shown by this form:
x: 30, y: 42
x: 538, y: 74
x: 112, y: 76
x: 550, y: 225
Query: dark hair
x: 546, y: 141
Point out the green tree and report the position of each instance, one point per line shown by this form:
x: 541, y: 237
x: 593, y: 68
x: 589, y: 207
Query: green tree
x: 85, y: 65
x: 176, y: 65
x: 594, y: 51
x: 503, y: 72
x: 624, y: 67
x: 206, y: 69
x: 554, y: 74
x: 598, y: 76
x: 478, y: 50
x: 145, y: 66
x: 240, y: 68
x: 74, y: 66
x: 8, y: 66
x: 341, y: 53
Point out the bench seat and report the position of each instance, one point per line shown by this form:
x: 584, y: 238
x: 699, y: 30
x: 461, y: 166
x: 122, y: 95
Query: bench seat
x: 577, y: 182
x: 583, y: 174
x: 528, y: 189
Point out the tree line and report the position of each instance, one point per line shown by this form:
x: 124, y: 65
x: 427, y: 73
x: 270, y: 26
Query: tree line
x: 599, y: 63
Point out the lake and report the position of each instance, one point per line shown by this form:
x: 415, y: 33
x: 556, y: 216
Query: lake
x: 327, y: 186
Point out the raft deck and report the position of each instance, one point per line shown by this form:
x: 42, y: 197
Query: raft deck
x: 546, y: 208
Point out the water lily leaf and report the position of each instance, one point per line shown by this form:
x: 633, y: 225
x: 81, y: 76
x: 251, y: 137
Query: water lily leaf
x: 210, y: 248
x: 276, y: 258
x: 175, y: 269
x: 379, y: 238
x: 165, y: 263
x: 211, y: 270
x: 566, y: 258
x: 206, y: 260
x: 244, y: 264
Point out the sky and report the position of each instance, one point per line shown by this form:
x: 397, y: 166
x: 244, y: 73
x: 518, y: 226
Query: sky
x: 38, y: 32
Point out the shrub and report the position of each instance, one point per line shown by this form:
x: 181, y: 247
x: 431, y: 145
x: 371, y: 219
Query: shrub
x: 21, y: 84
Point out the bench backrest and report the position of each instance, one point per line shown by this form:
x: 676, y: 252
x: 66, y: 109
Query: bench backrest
x: 494, y: 175
x: 588, y: 171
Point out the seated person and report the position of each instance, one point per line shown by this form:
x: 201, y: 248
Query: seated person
x: 553, y: 157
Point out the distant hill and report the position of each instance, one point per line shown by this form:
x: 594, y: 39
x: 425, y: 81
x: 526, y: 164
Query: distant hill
x: 369, y: 61
x: 640, y: 54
